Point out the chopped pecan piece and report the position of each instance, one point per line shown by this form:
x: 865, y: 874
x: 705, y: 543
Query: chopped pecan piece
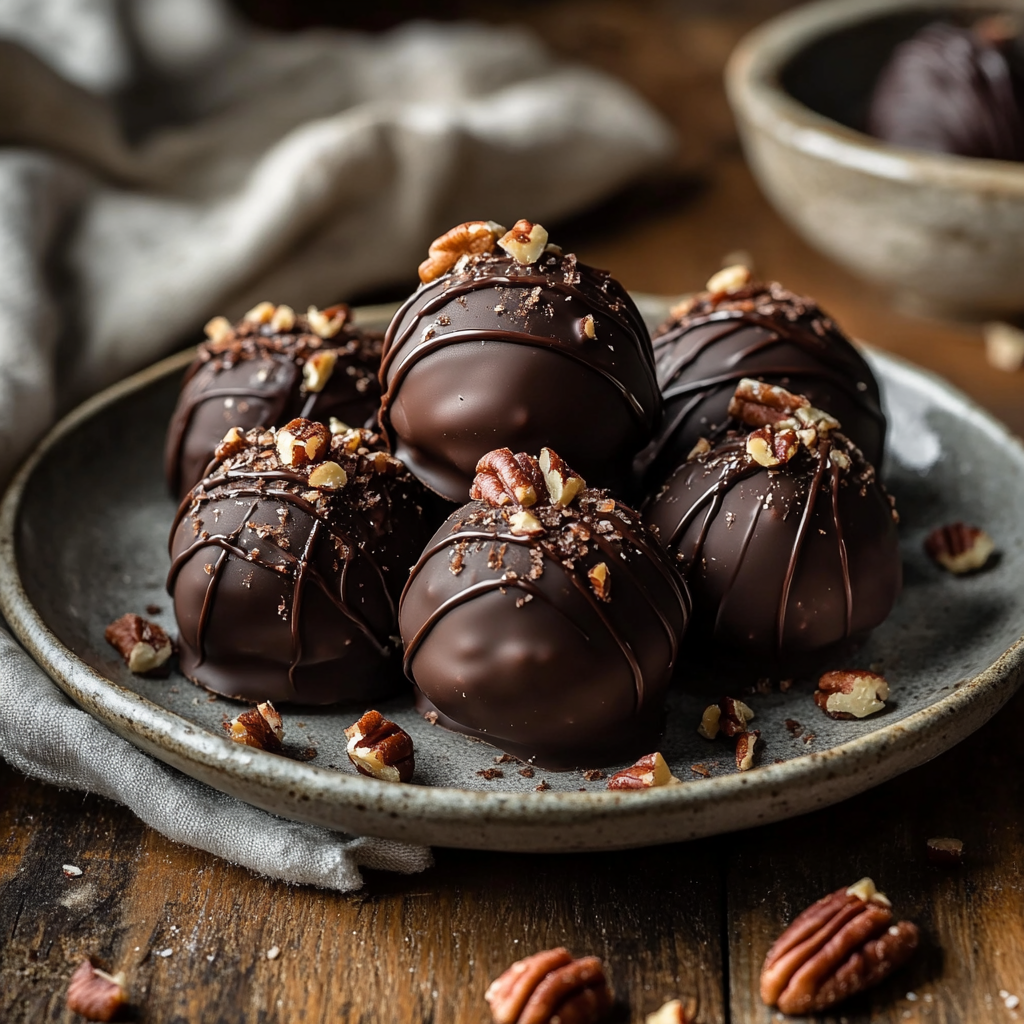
x: 945, y: 852
x: 551, y: 988
x: 650, y: 771
x: 317, y: 370
x: 851, y: 694
x: 143, y: 644
x: 524, y: 242
x: 959, y: 548
x: 380, y: 748
x: 301, y: 441
x: 219, y: 329
x: 760, y: 405
x: 503, y: 478
x: 525, y: 524
x: 95, y: 994
x: 673, y: 1012
x: 259, y: 727
x: 561, y: 482
x: 769, y: 446
x: 729, y: 716
x: 468, y: 239
x: 600, y: 581
x: 328, y: 476
x: 841, y: 945
x: 746, y: 745
x: 729, y: 279
x: 325, y: 323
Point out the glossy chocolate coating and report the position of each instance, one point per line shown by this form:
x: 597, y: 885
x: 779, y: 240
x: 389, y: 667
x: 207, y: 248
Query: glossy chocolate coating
x: 781, y: 561
x: 254, y: 379
x: 952, y: 90
x: 765, y: 332
x: 496, y: 353
x: 507, y: 638
x: 287, y: 592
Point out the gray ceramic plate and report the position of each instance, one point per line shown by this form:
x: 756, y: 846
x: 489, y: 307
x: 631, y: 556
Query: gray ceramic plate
x: 83, y: 539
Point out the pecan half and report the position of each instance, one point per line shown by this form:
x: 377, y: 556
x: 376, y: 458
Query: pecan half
x: 143, y: 644
x: 551, y: 987
x: 301, y: 441
x: 468, y: 239
x: 524, y: 241
x: 650, y: 771
x: 503, y: 479
x: 380, y: 748
x: 562, y: 483
x: 851, y: 694
x: 259, y: 727
x: 95, y: 994
x: 841, y: 945
x: 959, y: 548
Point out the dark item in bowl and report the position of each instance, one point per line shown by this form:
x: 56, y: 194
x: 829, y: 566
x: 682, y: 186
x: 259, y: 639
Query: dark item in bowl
x: 288, y: 559
x: 511, y: 343
x: 787, y: 540
x: 544, y: 618
x: 270, y: 367
x: 951, y: 89
x: 739, y: 328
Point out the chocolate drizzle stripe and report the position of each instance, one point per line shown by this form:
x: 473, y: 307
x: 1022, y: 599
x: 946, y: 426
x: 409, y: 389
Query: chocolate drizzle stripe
x: 798, y: 541
x: 297, y: 592
x: 841, y: 545
x: 511, y: 337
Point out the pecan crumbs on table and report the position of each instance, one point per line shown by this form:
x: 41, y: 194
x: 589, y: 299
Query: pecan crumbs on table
x: 843, y: 944
x: 549, y: 987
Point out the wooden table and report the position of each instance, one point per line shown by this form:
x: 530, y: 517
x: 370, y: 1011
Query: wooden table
x: 687, y: 920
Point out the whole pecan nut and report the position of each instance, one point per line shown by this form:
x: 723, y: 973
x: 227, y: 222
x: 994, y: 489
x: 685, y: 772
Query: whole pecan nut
x: 468, y: 239
x: 95, y: 994
x: 837, y: 947
x: 143, y: 644
x: 551, y: 987
x: 380, y: 749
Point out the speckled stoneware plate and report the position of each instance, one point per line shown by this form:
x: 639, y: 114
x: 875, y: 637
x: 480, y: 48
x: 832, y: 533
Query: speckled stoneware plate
x: 83, y: 533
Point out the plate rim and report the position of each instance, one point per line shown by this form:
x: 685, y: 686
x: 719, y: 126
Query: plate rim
x: 229, y: 767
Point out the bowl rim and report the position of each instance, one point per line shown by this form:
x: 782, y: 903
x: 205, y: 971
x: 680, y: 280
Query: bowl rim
x: 756, y: 95
x: 854, y: 765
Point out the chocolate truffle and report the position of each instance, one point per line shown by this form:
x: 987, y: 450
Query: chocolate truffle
x: 272, y: 366
x: 510, y: 342
x: 287, y: 563
x: 739, y: 328
x: 955, y: 90
x: 785, y: 536
x: 544, y: 618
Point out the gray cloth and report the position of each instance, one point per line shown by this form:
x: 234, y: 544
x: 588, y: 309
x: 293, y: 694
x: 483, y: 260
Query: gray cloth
x: 161, y: 163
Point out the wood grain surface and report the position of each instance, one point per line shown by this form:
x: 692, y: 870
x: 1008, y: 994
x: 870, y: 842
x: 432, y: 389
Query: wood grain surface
x: 689, y: 920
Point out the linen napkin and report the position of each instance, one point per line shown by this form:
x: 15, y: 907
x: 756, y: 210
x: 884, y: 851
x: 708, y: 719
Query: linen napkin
x: 162, y: 162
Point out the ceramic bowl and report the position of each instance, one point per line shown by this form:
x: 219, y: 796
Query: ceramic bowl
x: 945, y: 234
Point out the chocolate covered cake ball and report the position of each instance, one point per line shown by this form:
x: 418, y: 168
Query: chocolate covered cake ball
x: 784, y: 535
x: 270, y: 367
x: 739, y: 328
x: 510, y: 342
x: 288, y: 559
x: 955, y: 90
x: 544, y: 618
